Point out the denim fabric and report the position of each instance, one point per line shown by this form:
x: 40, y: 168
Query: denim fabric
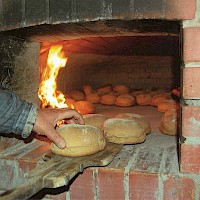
x: 16, y: 115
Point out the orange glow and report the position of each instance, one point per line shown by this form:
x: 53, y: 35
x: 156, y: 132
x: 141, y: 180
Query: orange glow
x: 48, y: 93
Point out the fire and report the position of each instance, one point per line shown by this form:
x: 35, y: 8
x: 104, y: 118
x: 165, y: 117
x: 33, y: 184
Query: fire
x: 48, y: 93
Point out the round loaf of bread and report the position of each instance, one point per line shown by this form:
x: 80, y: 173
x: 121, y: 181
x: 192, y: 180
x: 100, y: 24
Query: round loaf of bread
x: 138, y: 119
x: 77, y: 95
x: 166, y: 105
x: 70, y: 102
x: 143, y: 99
x: 125, y: 100
x: 121, y: 89
x: 81, y: 140
x: 108, y: 99
x: 104, y: 89
x: 123, y: 131
x: 155, y: 100
x: 168, y: 124
x: 84, y: 107
x: 93, y: 98
x: 94, y: 119
x: 87, y: 89
x: 170, y: 111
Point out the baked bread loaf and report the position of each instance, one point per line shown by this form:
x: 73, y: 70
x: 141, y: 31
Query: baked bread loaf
x: 94, y: 119
x: 138, y: 119
x: 70, y: 102
x: 143, y: 99
x: 155, y: 100
x: 166, y: 105
x: 170, y: 111
x: 87, y: 89
x: 123, y: 131
x: 121, y: 89
x: 81, y: 140
x: 168, y: 124
x: 104, y: 89
x: 93, y: 98
x: 84, y: 107
x: 108, y: 99
x: 125, y: 100
x: 77, y: 95
x: 137, y: 92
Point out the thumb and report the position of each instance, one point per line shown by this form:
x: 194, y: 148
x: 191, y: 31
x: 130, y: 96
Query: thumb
x: 56, y: 139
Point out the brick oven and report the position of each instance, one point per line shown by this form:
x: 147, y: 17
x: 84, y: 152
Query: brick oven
x: 142, y: 44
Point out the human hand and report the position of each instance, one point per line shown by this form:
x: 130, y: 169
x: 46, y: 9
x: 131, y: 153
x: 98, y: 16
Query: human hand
x: 47, y: 120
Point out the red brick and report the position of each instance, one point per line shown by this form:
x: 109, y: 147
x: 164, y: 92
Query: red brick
x: 178, y: 188
x: 190, y: 157
x: 143, y: 186
x: 83, y: 186
x: 191, y: 86
x: 29, y: 160
x: 61, y: 196
x: 110, y: 184
x: 191, y: 121
x: 191, y: 44
x: 180, y: 9
x: 26, y: 166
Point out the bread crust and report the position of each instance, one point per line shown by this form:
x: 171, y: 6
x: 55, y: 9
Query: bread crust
x: 137, y: 118
x: 168, y: 124
x: 94, y: 119
x: 81, y: 140
x: 123, y: 131
x: 84, y: 107
x: 125, y: 100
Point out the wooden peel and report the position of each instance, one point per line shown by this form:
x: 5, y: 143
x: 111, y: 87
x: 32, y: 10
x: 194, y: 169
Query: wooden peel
x: 58, y: 171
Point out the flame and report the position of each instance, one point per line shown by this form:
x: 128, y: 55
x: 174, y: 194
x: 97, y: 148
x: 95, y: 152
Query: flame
x: 48, y: 93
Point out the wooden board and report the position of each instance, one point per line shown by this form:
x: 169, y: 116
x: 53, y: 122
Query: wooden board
x: 57, y: 171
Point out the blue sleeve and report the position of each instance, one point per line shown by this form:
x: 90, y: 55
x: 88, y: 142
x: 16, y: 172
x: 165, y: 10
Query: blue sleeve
x: 16, y: 115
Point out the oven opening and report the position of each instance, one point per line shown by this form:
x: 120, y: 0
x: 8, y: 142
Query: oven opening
x: 133, y: 72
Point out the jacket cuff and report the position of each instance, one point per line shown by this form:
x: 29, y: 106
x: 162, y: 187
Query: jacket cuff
x: 31, y: 119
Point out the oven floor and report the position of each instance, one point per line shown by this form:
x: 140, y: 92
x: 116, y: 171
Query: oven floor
x: 158, y: 154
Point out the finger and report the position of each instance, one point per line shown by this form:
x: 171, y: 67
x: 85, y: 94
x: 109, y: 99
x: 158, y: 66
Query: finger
x: 71, y: 121
x: 70, y: 113
x: 56, y: 139
x: 78, y: 117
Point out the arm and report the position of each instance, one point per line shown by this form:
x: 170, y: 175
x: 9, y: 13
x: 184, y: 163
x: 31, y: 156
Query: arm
x: 16, y: 116
x: 21, y: 117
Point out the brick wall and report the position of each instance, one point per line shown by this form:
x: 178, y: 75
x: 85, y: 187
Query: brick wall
x: 136, y: 72
x: 10, y: 48
x: 24, y: 13
x: 189, y: 162
x: 18, y: 65
x: 25, y: 79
